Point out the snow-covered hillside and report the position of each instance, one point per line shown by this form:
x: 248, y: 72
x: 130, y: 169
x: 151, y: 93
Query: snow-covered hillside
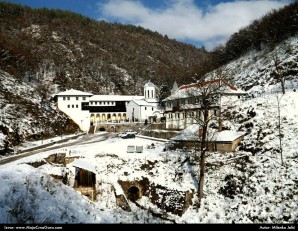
x: 248, y: 186
x: 24, y: 115
x: 257, y: 188
x: 240, y: 187
x: 254, y: 71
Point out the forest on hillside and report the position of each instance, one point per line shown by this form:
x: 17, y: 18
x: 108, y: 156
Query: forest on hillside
x: 81, y: 53
x: 72, y: 51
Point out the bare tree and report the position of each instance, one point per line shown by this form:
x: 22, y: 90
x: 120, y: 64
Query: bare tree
x: 200, y: 103
x: 207, y: 96
x: 278, y: 72
x: 280, y: 135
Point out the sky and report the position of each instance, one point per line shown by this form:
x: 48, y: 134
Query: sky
x: 207, y: 23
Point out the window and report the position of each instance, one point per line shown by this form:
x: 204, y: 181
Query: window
x: 145, y: 108
x: 95, y: 103
x: 84, y: 98
x: 108, y: 103
x: 238, y: 96
x: 63, y: 98
x: 178, y: 115
x: 77, y: 106
x: 104, y: 103
x: 99, y: 103
x: 152, y: 108
x: 68, y: 98
x: 72, y: 106
x: 91, y: 103
x: 77, y: 98
x: 215, y: 113
x: 68, y: 106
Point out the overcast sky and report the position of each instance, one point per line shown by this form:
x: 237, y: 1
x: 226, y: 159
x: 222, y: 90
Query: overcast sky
x: 199, y: 22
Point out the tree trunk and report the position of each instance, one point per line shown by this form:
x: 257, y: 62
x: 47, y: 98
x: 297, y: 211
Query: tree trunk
x: 202, y: 159
x: 279, y: 129
x: 282, y: 82
x: 219, y: 121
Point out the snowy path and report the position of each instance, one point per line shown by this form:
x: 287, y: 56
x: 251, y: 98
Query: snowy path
x: 86, y: 139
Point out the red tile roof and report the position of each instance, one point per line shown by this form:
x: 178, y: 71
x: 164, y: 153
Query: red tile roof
x: 193, y: 85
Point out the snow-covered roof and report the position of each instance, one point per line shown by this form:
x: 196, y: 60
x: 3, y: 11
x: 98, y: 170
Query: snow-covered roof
x: 149, y: 84
x: 191, y: 90
x: 74, y: 92
x: 85, y: 165
x: 227, y: 136
x: 114, y: 97
x: 142, y: 102
x: 191, y: 133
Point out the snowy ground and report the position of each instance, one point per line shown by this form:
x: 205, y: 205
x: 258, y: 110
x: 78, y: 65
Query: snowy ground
x: 254, y: 188
x: 28, y: 145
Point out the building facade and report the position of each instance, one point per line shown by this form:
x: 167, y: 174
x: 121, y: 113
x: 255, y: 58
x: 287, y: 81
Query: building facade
x: 183, y: 108
x: 147, y: 108
x: 86, y: 109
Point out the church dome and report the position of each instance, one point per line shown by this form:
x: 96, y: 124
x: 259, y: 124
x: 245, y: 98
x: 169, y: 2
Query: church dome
x: 149, y: 84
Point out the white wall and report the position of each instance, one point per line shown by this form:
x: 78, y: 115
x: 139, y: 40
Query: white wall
x: 181, y: 120
x: 149, y: 93
x: 230, y: 100
x: 74, y: 111
x: 147, y: 111
x: 140, y: 112
x: 129, y: 108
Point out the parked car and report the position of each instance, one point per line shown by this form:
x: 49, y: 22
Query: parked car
x: 131, y: 132
x: 121, y: 134
x: 128, y: 136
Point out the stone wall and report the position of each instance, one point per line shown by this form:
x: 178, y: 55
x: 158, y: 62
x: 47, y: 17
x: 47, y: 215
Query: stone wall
x: 163, y: 134
x: 121, y: 127
x: 212, y: 146
x: 169, y: 200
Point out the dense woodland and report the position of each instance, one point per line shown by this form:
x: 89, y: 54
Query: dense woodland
x: 74, y: 51
x: 46, y: 51
x: 89, y: 55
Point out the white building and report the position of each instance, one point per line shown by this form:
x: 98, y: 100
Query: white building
x: 183, y: 107
x: 72, y: 103
x: 147, y: 108
x: 86, y: 109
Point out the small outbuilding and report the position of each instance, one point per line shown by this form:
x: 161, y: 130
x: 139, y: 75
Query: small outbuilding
x: 85, y: 178
x: 220, y: 141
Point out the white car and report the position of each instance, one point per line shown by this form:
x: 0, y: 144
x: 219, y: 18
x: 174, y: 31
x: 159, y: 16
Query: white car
x: 130, y: 132
x: 121, y: 134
